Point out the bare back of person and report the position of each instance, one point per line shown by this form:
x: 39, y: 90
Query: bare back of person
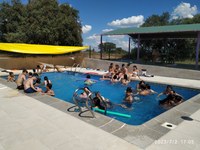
x: 28, y: 83
x: 29, y: 87
x: 21, y: 78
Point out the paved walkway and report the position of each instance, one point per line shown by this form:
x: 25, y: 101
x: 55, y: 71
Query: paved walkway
x: 184, y: 137
x: 27, y: 124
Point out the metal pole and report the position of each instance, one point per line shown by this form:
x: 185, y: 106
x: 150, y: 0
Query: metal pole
x: 197, y: 51
x: 101, y: 47
x: 109, y: 53
x: 138, y: 49
x: 129, y: 48
x: 90, y: 51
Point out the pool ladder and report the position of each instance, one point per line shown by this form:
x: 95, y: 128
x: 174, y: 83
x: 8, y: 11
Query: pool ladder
x: 76, y: 67
x: 87, y: 101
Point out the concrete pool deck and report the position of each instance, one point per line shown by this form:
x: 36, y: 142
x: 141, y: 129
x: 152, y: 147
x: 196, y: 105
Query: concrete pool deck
x: 27, y: 124
x: 38, y: 121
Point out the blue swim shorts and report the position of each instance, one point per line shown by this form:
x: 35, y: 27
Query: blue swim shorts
x: 29, y: 90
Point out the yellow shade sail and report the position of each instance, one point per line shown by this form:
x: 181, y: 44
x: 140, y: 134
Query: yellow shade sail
x: 39, y: 49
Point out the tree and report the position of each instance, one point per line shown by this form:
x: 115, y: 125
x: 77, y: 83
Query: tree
x: 40, y: 22
x: 69, y: 27
x: 169, y: 49
x: 108, y: 46
x: 148, y: 46
x: 156, y: 20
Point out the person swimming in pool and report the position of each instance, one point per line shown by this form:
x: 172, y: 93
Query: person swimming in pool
x: 128, y: 99
x: 88, y: 81
x: 86, y: 93
x: 141, y: 85
x: 129, y: 96
x: 171, y: 100
x: 167, y: 91
x: 100, y: 102
x: 146, y: 90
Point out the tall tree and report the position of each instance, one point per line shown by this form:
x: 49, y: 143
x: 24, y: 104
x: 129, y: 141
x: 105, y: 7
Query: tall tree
x: 156, y: 20
x: 108, y: 46
x: 40, y: 22
x: 69, y: 26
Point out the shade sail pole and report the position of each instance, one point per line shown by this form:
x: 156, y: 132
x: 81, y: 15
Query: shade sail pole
x: 197, y: 51
x: 101, y: 47
x: 138, y: 49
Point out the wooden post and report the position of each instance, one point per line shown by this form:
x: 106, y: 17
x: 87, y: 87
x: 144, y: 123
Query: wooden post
x: 129, y: 48
x: 138, y: 49
x: 90, y: 52
x: 101, y: 47
x: 197, y: 51
x: 109, y: 53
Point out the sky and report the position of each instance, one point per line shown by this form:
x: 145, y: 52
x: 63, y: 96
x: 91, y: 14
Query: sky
x: 99, y: 16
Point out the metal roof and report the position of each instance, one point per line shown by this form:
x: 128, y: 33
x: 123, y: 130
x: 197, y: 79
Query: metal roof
x: 172, y: 31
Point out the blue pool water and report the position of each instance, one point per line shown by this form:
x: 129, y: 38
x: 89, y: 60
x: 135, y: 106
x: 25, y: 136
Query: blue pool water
x: 144, y: 107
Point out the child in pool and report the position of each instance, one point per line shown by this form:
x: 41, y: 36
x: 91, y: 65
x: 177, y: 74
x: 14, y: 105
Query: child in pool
x: 11, y: 77
x: 88, y: 81
x: 49, y: 91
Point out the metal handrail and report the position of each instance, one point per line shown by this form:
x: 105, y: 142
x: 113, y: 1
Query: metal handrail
x: 89, y: 98
x: 73, y: 66
x: 76, y: 67
x: 80, y: 69
x: 105, y: 104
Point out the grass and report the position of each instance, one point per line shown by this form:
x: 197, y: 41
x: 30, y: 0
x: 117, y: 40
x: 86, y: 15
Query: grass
x: 187, y: 62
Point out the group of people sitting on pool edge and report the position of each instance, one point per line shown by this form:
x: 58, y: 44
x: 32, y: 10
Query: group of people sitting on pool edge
x: 30, y: 82
x: 116, y: 74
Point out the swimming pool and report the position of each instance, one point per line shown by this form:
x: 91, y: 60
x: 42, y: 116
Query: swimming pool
x: 143, y: 109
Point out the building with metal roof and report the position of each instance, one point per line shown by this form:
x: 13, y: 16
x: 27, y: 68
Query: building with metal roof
x: 160, y: 32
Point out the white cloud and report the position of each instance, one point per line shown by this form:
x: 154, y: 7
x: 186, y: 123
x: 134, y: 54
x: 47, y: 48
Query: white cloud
x: 119, y: 40
x: 184, y: 10
x: 133, y: 21
x: 106, y: 30
x: 93, y: 41
x: 93, y: 37
x: 86, y: 28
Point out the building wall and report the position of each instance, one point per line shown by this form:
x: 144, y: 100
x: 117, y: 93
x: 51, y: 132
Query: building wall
x: 31, y: 62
